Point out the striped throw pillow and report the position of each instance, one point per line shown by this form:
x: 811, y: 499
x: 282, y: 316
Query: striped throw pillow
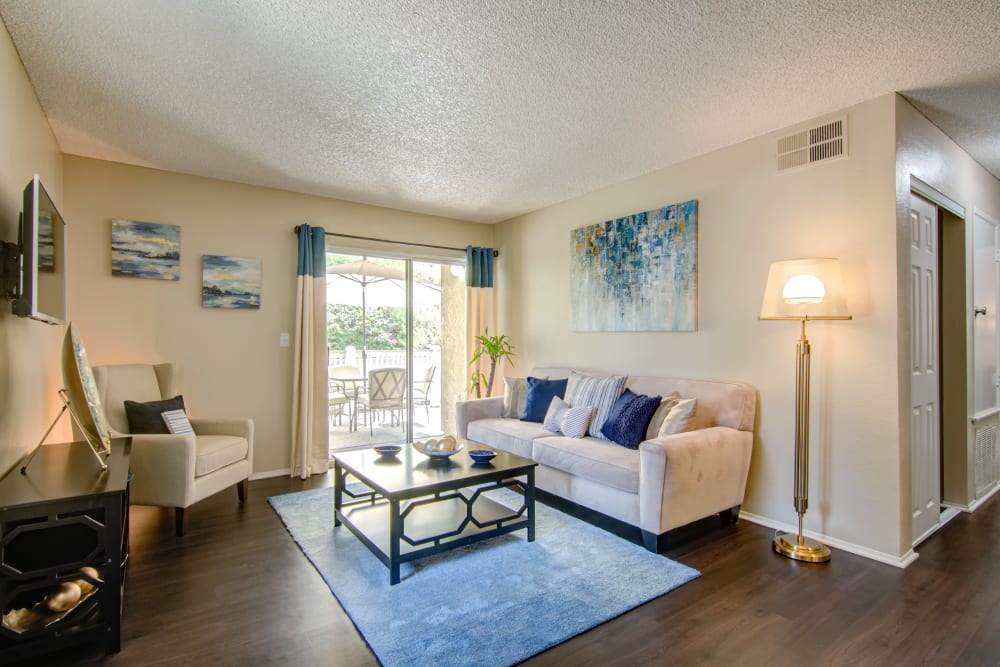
x: 598, y: 392
x: 177, y: 422
x: 575, y: 421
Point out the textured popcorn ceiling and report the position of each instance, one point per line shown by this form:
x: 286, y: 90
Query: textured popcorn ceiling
x: 479, y: 109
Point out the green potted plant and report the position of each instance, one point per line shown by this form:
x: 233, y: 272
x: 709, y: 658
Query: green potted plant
x: 497, y: 348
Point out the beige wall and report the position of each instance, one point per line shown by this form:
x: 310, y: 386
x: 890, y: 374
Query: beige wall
x: 229, y: 361
x: 927, y: 153
x: 750, y: 216
x: 30, y: 372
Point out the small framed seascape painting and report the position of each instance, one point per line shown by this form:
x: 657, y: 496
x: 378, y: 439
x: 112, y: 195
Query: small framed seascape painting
x: 145, y: 250
x: 230, y: 282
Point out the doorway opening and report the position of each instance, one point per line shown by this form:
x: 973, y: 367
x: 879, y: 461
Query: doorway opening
x: 953, y: 368
x: 396, y: 347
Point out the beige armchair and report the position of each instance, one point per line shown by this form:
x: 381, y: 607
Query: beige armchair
x: 175, y: 470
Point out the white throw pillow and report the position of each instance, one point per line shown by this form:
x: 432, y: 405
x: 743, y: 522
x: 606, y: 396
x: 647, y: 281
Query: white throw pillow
x: 680, y: 418
x: 668, y: 402
x: 554, y: 415
x: 575, y: 421
x: 595, y: 391
x: 515, y: 396
x: 177, y: 422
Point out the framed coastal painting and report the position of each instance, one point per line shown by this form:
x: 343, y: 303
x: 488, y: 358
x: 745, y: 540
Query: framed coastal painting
x: 145, y: 250
x: 230, y: 282
x: 637, y: 273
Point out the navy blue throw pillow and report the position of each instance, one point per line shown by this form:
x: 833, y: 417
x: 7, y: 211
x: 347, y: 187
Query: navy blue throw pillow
x: 630, y: 418
x: 540, y: 394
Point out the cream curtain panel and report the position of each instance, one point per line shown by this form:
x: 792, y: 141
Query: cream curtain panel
x: 310, y: 434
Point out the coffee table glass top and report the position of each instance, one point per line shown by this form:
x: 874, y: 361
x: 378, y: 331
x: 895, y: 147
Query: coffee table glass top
x: 410, y: 470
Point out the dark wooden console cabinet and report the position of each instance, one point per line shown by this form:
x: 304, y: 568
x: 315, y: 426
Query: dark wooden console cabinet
x: 64, y: 514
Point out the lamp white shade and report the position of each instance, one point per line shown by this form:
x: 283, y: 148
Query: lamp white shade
x: 800, y: 289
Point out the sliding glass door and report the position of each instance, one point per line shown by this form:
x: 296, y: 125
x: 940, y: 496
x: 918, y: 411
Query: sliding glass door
x: 396, y: 331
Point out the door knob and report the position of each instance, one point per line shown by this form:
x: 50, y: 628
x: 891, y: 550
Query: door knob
x: 981, y: 310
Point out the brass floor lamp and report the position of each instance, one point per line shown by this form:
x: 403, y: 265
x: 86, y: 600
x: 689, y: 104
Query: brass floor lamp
x: 803, y: 290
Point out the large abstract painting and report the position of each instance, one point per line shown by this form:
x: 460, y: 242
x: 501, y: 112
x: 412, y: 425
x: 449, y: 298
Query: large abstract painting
x: 637, y: 273
x: 145, y: 250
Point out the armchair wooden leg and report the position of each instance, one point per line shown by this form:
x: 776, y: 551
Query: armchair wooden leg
x: 730, y: 516
x: 242, y: 489
x: 180, y: 521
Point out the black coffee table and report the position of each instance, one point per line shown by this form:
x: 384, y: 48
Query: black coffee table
x: 415, y: 506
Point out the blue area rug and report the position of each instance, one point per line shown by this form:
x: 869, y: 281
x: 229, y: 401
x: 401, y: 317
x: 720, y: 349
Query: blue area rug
x: 496, y: 602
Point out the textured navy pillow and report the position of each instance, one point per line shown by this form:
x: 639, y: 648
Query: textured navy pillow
x: 629, y: 419
x: 147, y: 417
x: 540, y: 395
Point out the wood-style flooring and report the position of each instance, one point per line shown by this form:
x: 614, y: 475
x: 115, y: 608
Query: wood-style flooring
x: 237, y: 591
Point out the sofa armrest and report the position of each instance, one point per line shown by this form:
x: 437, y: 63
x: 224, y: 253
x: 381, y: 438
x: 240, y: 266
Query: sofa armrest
x: 688, y: 476
x: 163, y: 470
x: 473, y: 409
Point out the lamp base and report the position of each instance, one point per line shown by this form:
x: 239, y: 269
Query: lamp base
x: 801, y: 548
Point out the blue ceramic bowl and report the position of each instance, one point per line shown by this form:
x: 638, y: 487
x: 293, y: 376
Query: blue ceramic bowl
x: 388, y: 451
x: 482, y: 455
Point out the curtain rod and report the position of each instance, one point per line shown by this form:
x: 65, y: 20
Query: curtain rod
x: 496, y: 253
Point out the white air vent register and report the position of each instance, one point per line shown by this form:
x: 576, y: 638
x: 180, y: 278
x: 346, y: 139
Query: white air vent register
x: 986, y: 458
x: 815, y: 144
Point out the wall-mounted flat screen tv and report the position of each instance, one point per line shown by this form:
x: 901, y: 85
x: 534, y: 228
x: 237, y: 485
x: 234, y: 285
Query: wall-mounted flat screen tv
x: 42, y: 292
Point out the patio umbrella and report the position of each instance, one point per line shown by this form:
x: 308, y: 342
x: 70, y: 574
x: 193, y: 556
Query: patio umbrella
x: 366, y: 283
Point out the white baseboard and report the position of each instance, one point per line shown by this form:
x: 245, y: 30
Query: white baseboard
x: 264, y: 474
x: 947, y: 514
x: 975, y: 504
x: 979, y: 501
x: 850, y: 547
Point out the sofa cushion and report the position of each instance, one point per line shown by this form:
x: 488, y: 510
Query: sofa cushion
x: 509, y: 435
x: 598, y: 392
x: 597, y: 460
x: 540, y: 393
x: 628, y: 421
x: 217, y: 451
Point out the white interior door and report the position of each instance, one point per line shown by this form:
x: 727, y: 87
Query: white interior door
x: 985, y: 278
x: 925, y: 419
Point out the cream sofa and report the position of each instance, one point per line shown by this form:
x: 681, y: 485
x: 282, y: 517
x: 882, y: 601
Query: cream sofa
x: 664, y: 484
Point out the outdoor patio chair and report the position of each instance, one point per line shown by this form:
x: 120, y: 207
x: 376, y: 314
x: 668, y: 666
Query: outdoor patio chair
x: 342, y: 391
x: 422, y: 390
x: 386, y: 391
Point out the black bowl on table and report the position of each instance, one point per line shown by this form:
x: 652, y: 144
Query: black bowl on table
x: 388, y: 451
